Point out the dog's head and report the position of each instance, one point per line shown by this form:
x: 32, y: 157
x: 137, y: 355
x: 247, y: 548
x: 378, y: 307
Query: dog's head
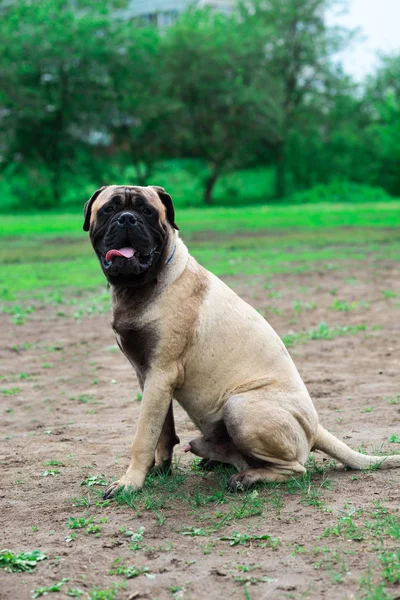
x: 130, y: 227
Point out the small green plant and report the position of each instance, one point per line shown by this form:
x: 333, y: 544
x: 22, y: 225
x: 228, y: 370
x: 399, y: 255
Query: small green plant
x: 196, y: 532
x: 343, y: 305
x: 391, y: 563
x: 389, y: 294
x: 10, y: 391
x: 50, y: 472
x: 136, y: 538
x: 346, y: 527
x: 79, y: 523
x: 109, y: 593
x: 139, y: 397
x: 127, y: 571
x: 395, y: 438
x: 25, y: 561
x: 75, y: 592
x: 53, y: 463
x: 55, y: 587
x: 245, y: 539
x: 394, y: 400
x: 94, y: 480
x: 92, y: 528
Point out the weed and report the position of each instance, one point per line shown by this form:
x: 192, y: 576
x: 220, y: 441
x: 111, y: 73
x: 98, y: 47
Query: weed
x: 244, y: 539
x: 94, y: 480
x: 395, y: 438
x: 322, y: 333
x: 299, y: 306
x: 391, y: 563
x: 394, y: 400
x: 75, y: 592
x: 92, y: 528
x: 196, y: 531
x: 79, y: 523
x: 10, y: 391
x: 43, y: 591
x: 389, y: 294
x: 251, y: 580
x: 136, y: 538
x: 109, y: 593
x: 25, y: 561
x: 346, y: 527
x: 53, y: 463
x: 343, y: 305
x: 50, y: 472
x: 127, y: 571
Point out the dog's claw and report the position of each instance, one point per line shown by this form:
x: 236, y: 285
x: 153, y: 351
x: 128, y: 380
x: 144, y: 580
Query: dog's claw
x: 110, y: 491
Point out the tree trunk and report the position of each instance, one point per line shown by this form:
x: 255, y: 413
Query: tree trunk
x: 210, y: 184
x: 280, y: 171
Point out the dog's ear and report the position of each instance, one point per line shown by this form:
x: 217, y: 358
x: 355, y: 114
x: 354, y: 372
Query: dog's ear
x: 167, y: 201
x: 88, y: 209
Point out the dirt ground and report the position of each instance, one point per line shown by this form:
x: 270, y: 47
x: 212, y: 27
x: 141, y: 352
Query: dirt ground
x: 78, y: 406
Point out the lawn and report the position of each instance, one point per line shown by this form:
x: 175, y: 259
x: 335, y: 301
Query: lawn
x: 327, y: 278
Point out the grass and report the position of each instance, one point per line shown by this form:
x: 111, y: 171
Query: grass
x: 323, y: 216
x: 323, y: 332
x: 47, y: 261
x: 51, y: 251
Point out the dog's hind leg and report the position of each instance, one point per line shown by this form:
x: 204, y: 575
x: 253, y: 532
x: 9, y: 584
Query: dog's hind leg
x: 165, y: 446
x: 277, y: 437
x: 217, y: 447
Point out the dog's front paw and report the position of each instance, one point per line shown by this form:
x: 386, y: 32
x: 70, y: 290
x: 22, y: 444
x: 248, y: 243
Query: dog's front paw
x: 132, y: 480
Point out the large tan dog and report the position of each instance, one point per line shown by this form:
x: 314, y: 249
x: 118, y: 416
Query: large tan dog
x: 190, y: 337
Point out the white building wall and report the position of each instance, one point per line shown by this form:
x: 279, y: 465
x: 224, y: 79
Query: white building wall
x: 139, y: 8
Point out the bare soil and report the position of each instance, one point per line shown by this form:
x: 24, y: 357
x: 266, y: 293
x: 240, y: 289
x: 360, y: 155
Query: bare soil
x: 79, y: 407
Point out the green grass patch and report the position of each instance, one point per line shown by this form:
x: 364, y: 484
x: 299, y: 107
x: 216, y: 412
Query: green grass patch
x: 323, y: 332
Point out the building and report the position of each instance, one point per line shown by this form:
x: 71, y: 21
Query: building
x: 165, y: 12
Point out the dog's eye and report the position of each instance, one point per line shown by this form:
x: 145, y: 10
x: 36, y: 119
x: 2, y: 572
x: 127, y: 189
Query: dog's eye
x: 146, y: 211
x: 108, y: 209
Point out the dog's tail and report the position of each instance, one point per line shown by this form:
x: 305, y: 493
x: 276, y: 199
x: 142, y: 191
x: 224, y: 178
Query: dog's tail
x: 329, y: 444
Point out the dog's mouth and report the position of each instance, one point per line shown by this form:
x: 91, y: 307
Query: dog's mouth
x: 127, y: 254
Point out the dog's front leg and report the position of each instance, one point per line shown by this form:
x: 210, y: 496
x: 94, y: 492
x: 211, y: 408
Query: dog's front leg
x: 157, y: 397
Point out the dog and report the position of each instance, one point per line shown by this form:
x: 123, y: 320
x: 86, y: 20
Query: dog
x: 190, y: 337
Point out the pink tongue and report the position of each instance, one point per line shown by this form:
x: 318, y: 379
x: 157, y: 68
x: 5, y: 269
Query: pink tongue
x: 126, y: 252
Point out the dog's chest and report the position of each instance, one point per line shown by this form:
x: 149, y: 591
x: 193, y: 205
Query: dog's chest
x: 138, y: 343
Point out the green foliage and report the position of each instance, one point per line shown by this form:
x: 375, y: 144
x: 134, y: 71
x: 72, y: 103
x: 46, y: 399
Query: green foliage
x: 340, y: 191
x: 251, y: 105
x: 25, y: 561
x: 43, y: 591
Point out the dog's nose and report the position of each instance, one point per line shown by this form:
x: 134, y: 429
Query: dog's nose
x: 127, y: 218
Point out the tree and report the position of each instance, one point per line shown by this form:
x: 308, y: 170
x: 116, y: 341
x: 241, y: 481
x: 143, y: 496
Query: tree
x: 382, y: 97
x: 53, y: 93
x: 142, y: 116
x: 298, y: 47
x: 215, y: 74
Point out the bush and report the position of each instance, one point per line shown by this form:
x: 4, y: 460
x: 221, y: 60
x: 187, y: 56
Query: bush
x: 340, y: 191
